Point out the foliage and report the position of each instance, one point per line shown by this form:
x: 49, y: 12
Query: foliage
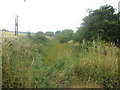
x: 57, y: 65
x: 57, y: 32
x: 33, y: 61
x: 49, y: 33
x: 100, y: 23
x: 65, y: 35
x: 5, y: 30
x: 28, y: 34
x: 38, y: 37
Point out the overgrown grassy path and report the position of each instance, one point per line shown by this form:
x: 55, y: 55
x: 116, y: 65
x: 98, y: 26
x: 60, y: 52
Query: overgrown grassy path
x: 55, y: 50
x: 64, y: 65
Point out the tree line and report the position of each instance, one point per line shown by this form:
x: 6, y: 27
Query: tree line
x: 102, y: 23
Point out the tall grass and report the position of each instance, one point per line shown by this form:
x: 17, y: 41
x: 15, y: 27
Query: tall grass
x: 0, y: 68
x: 14, y: 60
x: 97, y: 62
x: 27, y: 64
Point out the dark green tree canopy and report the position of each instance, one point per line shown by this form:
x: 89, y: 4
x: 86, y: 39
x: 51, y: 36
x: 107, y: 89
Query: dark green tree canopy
x: 57, y: 32
x: 65, y: 35
x: 101, y: 23
x: 49, y: 33
x: 38, y: 37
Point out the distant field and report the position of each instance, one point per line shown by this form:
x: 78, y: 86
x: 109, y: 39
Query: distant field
x: 9, y: 34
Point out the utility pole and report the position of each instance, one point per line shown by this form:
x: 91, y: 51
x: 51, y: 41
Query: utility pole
x: 119, y: 6
x: 118, y: 49
x: 16, y: 25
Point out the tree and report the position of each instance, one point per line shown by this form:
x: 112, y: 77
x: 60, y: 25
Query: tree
x: 100, y: 23
x: 57, y: 32
x: 28, y: 34
x: 65, y: 35
x: 39, y: 37
x: 49, y: 33
x: 5, y: 30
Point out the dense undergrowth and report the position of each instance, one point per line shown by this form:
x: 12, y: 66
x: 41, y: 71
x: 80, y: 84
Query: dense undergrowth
x: 27, y: 64
x: 65, y: 59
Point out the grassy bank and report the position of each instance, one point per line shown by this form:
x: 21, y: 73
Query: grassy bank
x: 27, y: 64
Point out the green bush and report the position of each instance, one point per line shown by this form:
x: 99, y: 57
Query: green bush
x: 39, y: 37
x: 65, y: 35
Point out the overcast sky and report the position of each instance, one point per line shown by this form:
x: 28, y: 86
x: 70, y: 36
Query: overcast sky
x: 47, y: 15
